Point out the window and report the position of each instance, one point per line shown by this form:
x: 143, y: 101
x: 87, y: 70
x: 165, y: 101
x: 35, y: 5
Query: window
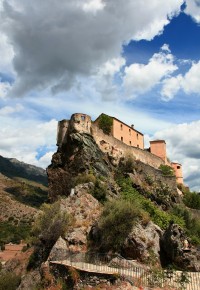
x: 137, y: 146
x: 129, y: 131
x: 130, y: 143
x: 121, y: 127
x: 82, y: 118
x: 178, y: 167
x: 122, y: 139
x: 137, y: 135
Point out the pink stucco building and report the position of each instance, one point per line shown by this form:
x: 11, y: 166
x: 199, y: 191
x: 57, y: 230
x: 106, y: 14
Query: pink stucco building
x: 125, y: 133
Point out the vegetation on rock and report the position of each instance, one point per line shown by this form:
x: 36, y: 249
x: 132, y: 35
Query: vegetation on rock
x: 116, y: 222
x: 166, y: 170
x: 50, y: 224
x: 105, y: 123
x: 9, y: 281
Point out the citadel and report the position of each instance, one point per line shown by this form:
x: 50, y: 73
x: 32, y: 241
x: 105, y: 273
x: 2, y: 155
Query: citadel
x: 121, y: 141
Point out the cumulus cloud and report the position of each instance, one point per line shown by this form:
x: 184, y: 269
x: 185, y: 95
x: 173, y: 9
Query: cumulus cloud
x: 54, y: 44
x: 193, y: 9
x: 183, y: 146
x: 189, y: 83
x: 140, y: 78
x: 21, y: 139
x: 170, y: 87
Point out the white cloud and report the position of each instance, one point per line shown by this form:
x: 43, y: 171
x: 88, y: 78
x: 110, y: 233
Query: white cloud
x: 7, y: 110
x: 45, y: 160
x: 56, y: 44
x: 183, y: 146
x: 6, y: 53
x: 170, y: 87
x: 140, y: 78
x: 5, y: 87
x: 22, y: 139
x: 93, y: 5
x: 189, y: 83
x: 193, y: 9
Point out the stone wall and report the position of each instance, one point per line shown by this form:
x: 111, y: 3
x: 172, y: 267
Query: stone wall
x: 117, y: 149
x: 157, y: 175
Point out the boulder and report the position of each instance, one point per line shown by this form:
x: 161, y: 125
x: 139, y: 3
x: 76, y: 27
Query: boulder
x: 143, y: 242
x: 173, y: 251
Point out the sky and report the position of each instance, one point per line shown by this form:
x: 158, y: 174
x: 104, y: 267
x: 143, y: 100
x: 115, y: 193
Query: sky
x: 136, y: 60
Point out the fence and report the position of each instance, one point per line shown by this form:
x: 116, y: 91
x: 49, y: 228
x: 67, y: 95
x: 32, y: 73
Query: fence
x: 138, y: 276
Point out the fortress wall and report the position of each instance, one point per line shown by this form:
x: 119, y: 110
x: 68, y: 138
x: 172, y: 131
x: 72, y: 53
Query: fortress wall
x: 157, y: 175
x: 113, y: 146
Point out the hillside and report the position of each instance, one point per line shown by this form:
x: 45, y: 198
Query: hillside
x: 22, y: 191
x: 13, y: 168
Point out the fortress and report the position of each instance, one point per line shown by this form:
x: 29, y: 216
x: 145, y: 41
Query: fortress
x: 122, y: 140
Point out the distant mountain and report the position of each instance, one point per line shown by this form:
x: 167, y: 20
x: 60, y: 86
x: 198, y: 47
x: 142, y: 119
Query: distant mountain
x: 13, y: 168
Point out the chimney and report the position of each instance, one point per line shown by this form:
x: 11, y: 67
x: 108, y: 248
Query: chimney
x: 132, y: 126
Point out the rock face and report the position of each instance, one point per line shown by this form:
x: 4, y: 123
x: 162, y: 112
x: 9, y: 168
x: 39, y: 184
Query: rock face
x: 77, y: 153
x: 143, y: 242
x: 172, y: 250
x: 85, y: 210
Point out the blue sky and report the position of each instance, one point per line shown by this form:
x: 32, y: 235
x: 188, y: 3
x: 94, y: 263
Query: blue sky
x: 136, y: 60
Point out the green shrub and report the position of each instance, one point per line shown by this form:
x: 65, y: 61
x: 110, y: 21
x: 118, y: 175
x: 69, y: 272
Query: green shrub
x: 192, y: 199
x: 50, y: 224
x: 116, y: 222
x: 85, y: 178
x: 99, y: 191
x: 9, y: 281
x: 166, y: 170
x: 149, y: 179
x: 11, y: 232
x: 105, y: 123
x: 158, y: 216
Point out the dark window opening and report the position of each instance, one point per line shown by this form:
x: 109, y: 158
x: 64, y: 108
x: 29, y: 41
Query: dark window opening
x: 130, y: 142
x: 137, y: 146
x: 122, y: 139
x: 129, y: 131
x: 178, y: 167
x: 137, y: 135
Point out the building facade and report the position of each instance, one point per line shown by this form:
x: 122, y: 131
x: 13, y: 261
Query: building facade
x: 125, y: 133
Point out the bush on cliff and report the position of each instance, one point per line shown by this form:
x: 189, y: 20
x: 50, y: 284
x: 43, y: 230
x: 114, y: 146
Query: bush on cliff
x: 166, y: 170
x: 105, y: 123
x: 192, y: 200
x: 116, y: 222
x: 9, y: 281
x: 50, y: 224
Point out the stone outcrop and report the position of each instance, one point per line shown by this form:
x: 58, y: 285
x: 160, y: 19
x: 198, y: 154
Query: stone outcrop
x: 143, y: 242
x: 173, y: 252
x: 77, y: 154
x: 85, y: 210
